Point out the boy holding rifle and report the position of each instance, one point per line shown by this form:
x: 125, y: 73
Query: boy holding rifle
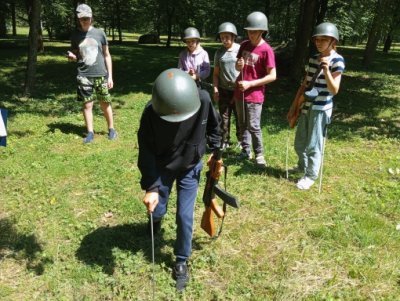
x: 325, y: 71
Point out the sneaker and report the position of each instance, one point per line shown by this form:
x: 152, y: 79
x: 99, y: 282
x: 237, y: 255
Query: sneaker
x: 260, y: 161
x: 245, y: 155
x: 156, y: 227
x: 305, y: 183
x: 112, y: 134
x: 181, y: 275
x: 89, y: 138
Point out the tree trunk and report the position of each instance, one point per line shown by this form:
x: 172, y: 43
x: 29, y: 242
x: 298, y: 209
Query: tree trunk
x: 170, y: 15
x: 267, y: 8
x: 388, y: 42
x: 378, y: 24
x: 3, y: 26
x: 118, y: 8
x: 323, y: 8
x: 13, y: 19
x: 34, y: 22
x: 304, y: 30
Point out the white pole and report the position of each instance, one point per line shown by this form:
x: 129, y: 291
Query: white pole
x: 322, y: 159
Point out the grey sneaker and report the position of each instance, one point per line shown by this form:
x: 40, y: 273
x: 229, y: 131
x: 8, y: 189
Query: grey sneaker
x: 181, y: 275
x: 89, y: 138
x: 260, y: 161
x: 112, y: 134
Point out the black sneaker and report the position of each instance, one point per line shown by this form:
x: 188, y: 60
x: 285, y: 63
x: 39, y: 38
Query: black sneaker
x: 181, y: 275
x: 156, y: 227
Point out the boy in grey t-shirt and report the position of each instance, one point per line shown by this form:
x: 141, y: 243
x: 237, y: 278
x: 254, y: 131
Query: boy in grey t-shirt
x: 90, y: 50
x: 224, y: 78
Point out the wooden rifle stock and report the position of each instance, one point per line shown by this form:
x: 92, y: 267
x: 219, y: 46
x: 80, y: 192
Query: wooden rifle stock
x: 294, y: 111
x: 207, y: 221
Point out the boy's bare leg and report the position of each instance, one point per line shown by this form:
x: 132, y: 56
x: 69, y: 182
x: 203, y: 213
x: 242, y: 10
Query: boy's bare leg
x: 88, y: 115
x: 108, y: 113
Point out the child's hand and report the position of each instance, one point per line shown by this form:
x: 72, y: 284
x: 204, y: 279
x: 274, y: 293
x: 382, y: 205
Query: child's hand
x: 324, y: 62
x: 150, y: 200
x: 244, y: 85
x: 193, y: 74
x: 216, y: 95
x: 70, y: 56
x: 240, y: 63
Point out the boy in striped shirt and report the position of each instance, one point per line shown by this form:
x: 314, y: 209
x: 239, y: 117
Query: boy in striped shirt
x: 316, y: 113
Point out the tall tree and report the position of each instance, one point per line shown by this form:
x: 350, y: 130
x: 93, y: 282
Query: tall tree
x: 378, y: 27
x: 395, y: 24
x: 306, y: 23
x: 3, y: 19
x: 33, y: 7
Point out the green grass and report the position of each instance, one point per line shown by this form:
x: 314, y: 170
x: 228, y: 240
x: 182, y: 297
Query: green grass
x: 59, y: 242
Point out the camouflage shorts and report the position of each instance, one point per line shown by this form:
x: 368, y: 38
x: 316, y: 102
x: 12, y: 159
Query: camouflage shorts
x: 88, y: 86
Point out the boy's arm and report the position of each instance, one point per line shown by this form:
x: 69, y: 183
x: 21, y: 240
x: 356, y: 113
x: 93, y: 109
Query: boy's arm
x: 108, y: 62
x: 269, y: 78
x: 216, y: 81
x: 332, y: 79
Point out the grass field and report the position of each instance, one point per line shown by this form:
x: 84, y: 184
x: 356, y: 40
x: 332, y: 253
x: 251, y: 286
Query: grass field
x: 72, y: 223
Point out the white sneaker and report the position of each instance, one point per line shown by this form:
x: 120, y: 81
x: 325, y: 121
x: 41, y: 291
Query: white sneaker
x: 260, y: 160
x: 305, y: 183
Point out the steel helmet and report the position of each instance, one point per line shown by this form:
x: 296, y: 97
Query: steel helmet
x: 191, y: 33
x: 227, y: 27
x: 175, y: 96
x: 326, y: 29
x: 257, y: 21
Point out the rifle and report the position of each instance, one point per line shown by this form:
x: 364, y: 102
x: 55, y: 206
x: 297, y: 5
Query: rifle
x: 294, y: 110
x: 304, y: 91
x: 210, y: 191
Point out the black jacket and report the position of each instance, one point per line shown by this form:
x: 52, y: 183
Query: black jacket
x: 175, y: 146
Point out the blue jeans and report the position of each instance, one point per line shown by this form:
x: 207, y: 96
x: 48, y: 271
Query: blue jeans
x: 187, y: 184
x: 309, y: 139
x: 249, y: 117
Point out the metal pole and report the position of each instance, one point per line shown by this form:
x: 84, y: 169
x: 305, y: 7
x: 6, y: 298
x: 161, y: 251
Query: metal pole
x: 287, y: 155
x: 322, y: 158
x: 152, y: 254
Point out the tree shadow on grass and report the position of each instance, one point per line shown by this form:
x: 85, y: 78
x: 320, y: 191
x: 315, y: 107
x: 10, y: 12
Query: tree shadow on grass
x: 21, y: 247
x: 249, y: 166
x: 97, y: 247
x: 67, y: 128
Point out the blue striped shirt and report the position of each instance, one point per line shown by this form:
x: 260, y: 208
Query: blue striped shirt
x: 324, y: 100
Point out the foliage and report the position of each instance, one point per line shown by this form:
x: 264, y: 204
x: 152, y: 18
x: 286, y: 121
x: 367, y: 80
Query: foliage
x: 72, y: 225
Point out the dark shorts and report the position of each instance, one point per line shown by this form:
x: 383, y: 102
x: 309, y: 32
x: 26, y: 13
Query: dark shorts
x: 91, y: 88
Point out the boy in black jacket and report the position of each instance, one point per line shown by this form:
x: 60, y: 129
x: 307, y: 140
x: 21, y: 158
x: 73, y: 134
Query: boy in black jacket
x: 174, y: 129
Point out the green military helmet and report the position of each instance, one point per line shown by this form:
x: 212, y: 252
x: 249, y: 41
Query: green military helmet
x: 326, y: 29
x: 191, y: 33
x: 175, y: 95
x: 257, y: 21
x: 227, y: 27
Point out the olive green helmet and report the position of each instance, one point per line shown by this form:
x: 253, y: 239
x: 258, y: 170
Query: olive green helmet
x: 175, y: 95
x: 191, y: 33
x: 326, y: 29
x: 227, y: 27
x: 257, y: 21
